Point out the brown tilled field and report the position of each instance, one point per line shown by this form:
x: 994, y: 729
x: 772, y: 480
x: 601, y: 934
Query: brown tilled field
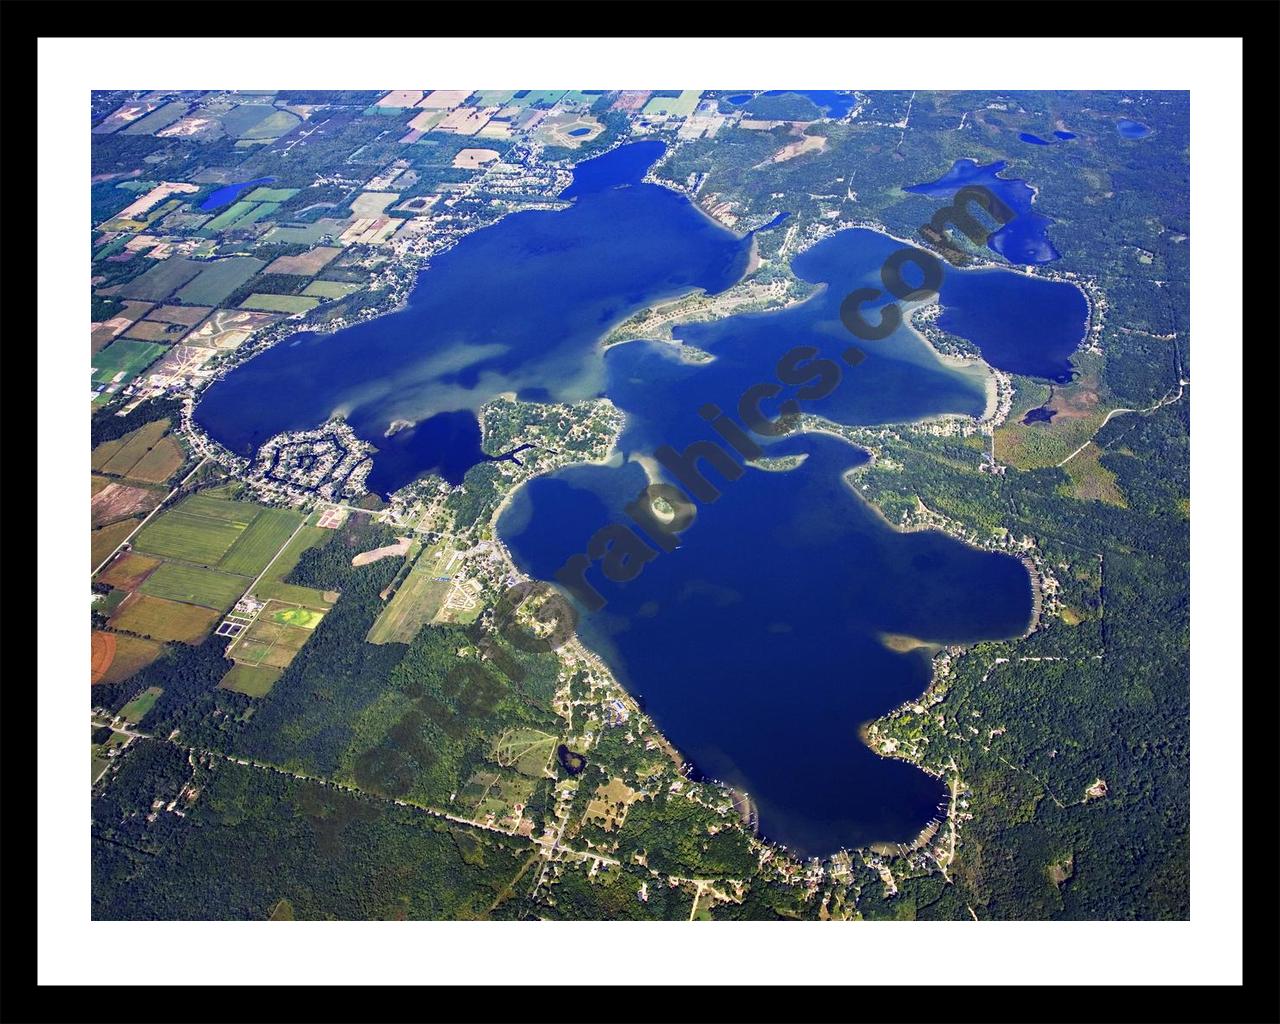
x: 120, y: 501
x: 128, y: 569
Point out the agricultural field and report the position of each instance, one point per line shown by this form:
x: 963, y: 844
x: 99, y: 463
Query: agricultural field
x: 123, y: 360
x: 263, y: 194
x: 116, y: 656
x: 681, y: 106
x: 120, y: 501
x: 304, y: 618
x: 119, y: 456
x: 272, y: 584
x: 416, y: 603
x: 280, y: 303
x: 251, y: 680
x: 152, y: 330
x: 188, y: 316
x: 158, y: 619
x: 145, y: 454
x: 128, y: 570
x: 219, y: 278
x: 260, y: 541
x: 157, y: 119
x: 162, y: 280
x: 195, y: 585
x: 330, y: 289
x: 306, y: 264
x: 160, y: 463
x: 102, y: 542
x: 191, y: 538
x: 136, y: 710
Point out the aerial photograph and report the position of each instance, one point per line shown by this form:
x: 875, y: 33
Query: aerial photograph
x: 638, y: 505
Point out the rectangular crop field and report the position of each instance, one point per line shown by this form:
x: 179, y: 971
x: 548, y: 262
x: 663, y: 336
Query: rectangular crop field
x: 201, y: 530
x: 162, y: 280
x: 126, y: 359
x: 306, y: 264
x: 103, y: 542
x: 251, y: 680
x: 165, y: 459
x: 330, y: 289
x: 280, y: 303
x: 128, y: 569
x: 118, y: 457
x: 260, y: 541
x: 117, y: 656
x: 193, y: 585
x: 219, y: 278
x: 271, y: 195
x: 158, y: 619
x: 272, y: 583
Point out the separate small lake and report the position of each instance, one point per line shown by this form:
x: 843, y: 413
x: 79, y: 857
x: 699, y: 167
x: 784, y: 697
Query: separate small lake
x: 1040, y: 415
x: 1025, y: 239
x: 834, y: 103
x: 1132, y: 129
x: 230, y: 193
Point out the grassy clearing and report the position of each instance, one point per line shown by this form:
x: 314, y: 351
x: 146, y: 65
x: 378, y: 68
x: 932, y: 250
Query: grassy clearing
x: 416, y: 602
x: 251, y: 680
x: 193, y: 585
x: 526, y: 750
x: 1092, y: 481
x: 136, y: 710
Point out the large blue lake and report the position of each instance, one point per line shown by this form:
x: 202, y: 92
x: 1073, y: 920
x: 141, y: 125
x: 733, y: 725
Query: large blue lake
x: 759, y: 644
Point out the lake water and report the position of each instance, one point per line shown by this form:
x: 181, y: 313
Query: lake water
x: 757, y: 645
x: 1025, y: 239
x: 1132, y: 129
x: 230, y: 193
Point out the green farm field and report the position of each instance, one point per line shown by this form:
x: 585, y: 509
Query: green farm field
x: 158, y: 619
x: 194, y: 585
x: 272, y: 584
x: 251, y: 680
x: 280, y: 303
x: 260, y: 541
x: 127, y: 357
x: 200, y: 530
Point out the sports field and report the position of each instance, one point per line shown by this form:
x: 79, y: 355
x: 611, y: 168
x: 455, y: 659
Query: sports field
x: 195, y: 585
